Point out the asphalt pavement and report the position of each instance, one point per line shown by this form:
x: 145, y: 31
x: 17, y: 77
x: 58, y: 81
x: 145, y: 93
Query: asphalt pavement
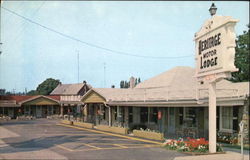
x: 48, y: 139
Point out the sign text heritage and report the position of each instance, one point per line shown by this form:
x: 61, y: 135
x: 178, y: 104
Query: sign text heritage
x: 215, y: 47
x: 209, y: 54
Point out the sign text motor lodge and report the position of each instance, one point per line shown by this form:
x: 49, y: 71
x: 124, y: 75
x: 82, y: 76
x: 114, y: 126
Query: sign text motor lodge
x: 209, y: 56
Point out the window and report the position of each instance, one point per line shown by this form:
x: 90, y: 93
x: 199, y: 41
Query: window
x: 153, y: 112
x: 190, y: 117
x: 115, y: 112
x: 130, y: 113
x: 181, y: 116
x: 226, y: 118
x: 144, y: 114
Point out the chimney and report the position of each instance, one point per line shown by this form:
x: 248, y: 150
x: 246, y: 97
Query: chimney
x: 132, y: 82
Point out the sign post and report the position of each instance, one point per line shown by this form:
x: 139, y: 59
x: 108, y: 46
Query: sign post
x: 241, y: 138
x: 212, y: 117
x: 215, y: 52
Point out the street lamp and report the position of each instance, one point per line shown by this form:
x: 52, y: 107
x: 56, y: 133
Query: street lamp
x: 212, y: 9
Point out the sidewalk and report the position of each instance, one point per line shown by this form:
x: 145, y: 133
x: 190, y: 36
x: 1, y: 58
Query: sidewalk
x: 229, y: 155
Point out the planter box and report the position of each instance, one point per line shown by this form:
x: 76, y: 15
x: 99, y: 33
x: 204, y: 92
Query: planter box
x: 118, y: 130
x: 85, y: 125
x: 67, y: 122
x: 148, y: 135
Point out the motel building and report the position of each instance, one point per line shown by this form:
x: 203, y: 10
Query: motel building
x: 63, y: 100
x: 35, y: 106
x: 172, y: 103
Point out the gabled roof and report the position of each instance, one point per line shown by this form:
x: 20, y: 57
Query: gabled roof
x: 53, y: 98
x: 14, y: 101
x: 15, y: 98
x: 68, y: 89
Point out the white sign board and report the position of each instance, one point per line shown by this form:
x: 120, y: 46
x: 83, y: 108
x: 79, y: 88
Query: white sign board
x: 215, y: 47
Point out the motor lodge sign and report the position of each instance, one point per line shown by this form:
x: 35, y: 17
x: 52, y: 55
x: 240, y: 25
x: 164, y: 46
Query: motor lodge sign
x: 215, y: 47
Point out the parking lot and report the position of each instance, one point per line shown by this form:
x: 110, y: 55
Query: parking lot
x: 48, y: 139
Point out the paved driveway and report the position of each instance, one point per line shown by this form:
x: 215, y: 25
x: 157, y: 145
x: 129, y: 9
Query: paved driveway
x: 47, y: 139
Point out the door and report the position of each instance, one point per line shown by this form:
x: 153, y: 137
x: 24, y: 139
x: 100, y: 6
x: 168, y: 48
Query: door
x: 171, y: 120
x: 38, y: 111
x: 11, y: 112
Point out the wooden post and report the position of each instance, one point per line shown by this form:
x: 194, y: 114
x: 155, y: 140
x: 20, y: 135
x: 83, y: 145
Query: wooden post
x: 61, y: 110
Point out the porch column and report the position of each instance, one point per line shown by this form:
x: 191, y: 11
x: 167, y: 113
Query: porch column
x: 109, y: 115
x: 85, y: 113
x: 212, y: 117
x: 61, y: 110
x: 118, y: 114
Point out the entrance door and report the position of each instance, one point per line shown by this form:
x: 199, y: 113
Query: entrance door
x: 171, y: 120
x: 38, y: 111
x: 11, y: 112
x: 44, y: 111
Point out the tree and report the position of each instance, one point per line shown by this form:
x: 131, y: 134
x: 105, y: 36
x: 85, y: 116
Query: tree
x: 136, y: 81
x: 122, y: 84
x: 32, y: 92
x: 126, y: 84
x: 242, y: 58
x: 47, y: 86
x: 139, y: 80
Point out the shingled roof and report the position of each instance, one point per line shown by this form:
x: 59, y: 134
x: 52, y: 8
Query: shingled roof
x: 68, y: 89
x: 176, y: 84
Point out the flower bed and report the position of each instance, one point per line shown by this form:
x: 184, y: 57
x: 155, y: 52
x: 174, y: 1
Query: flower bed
x: 195, y: 146
x: 227, y: 137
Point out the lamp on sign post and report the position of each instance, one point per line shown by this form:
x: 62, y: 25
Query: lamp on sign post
x: 212, y: 9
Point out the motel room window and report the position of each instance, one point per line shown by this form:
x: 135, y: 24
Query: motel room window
x: 226, y: 118
x: 181, y: 115
x: 190, y: 117
x: 115, y: 112
x: 130, y: 113
x: 153, y: 111
x: 144, y: 114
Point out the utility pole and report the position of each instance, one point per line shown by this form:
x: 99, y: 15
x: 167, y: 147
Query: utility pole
x: 0, y: 38
x: 0, y: 27
x: 104, y: 74
x: 77, y: 66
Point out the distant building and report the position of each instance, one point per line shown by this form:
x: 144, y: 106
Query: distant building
x: 36, y: 106
x: 70, y: 96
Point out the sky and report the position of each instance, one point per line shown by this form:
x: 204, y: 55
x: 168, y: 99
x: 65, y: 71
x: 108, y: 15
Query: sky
x: 48, y: 48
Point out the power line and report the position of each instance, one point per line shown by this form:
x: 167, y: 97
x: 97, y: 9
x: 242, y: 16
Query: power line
x: 22, y: 28
x: 90, y: 44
